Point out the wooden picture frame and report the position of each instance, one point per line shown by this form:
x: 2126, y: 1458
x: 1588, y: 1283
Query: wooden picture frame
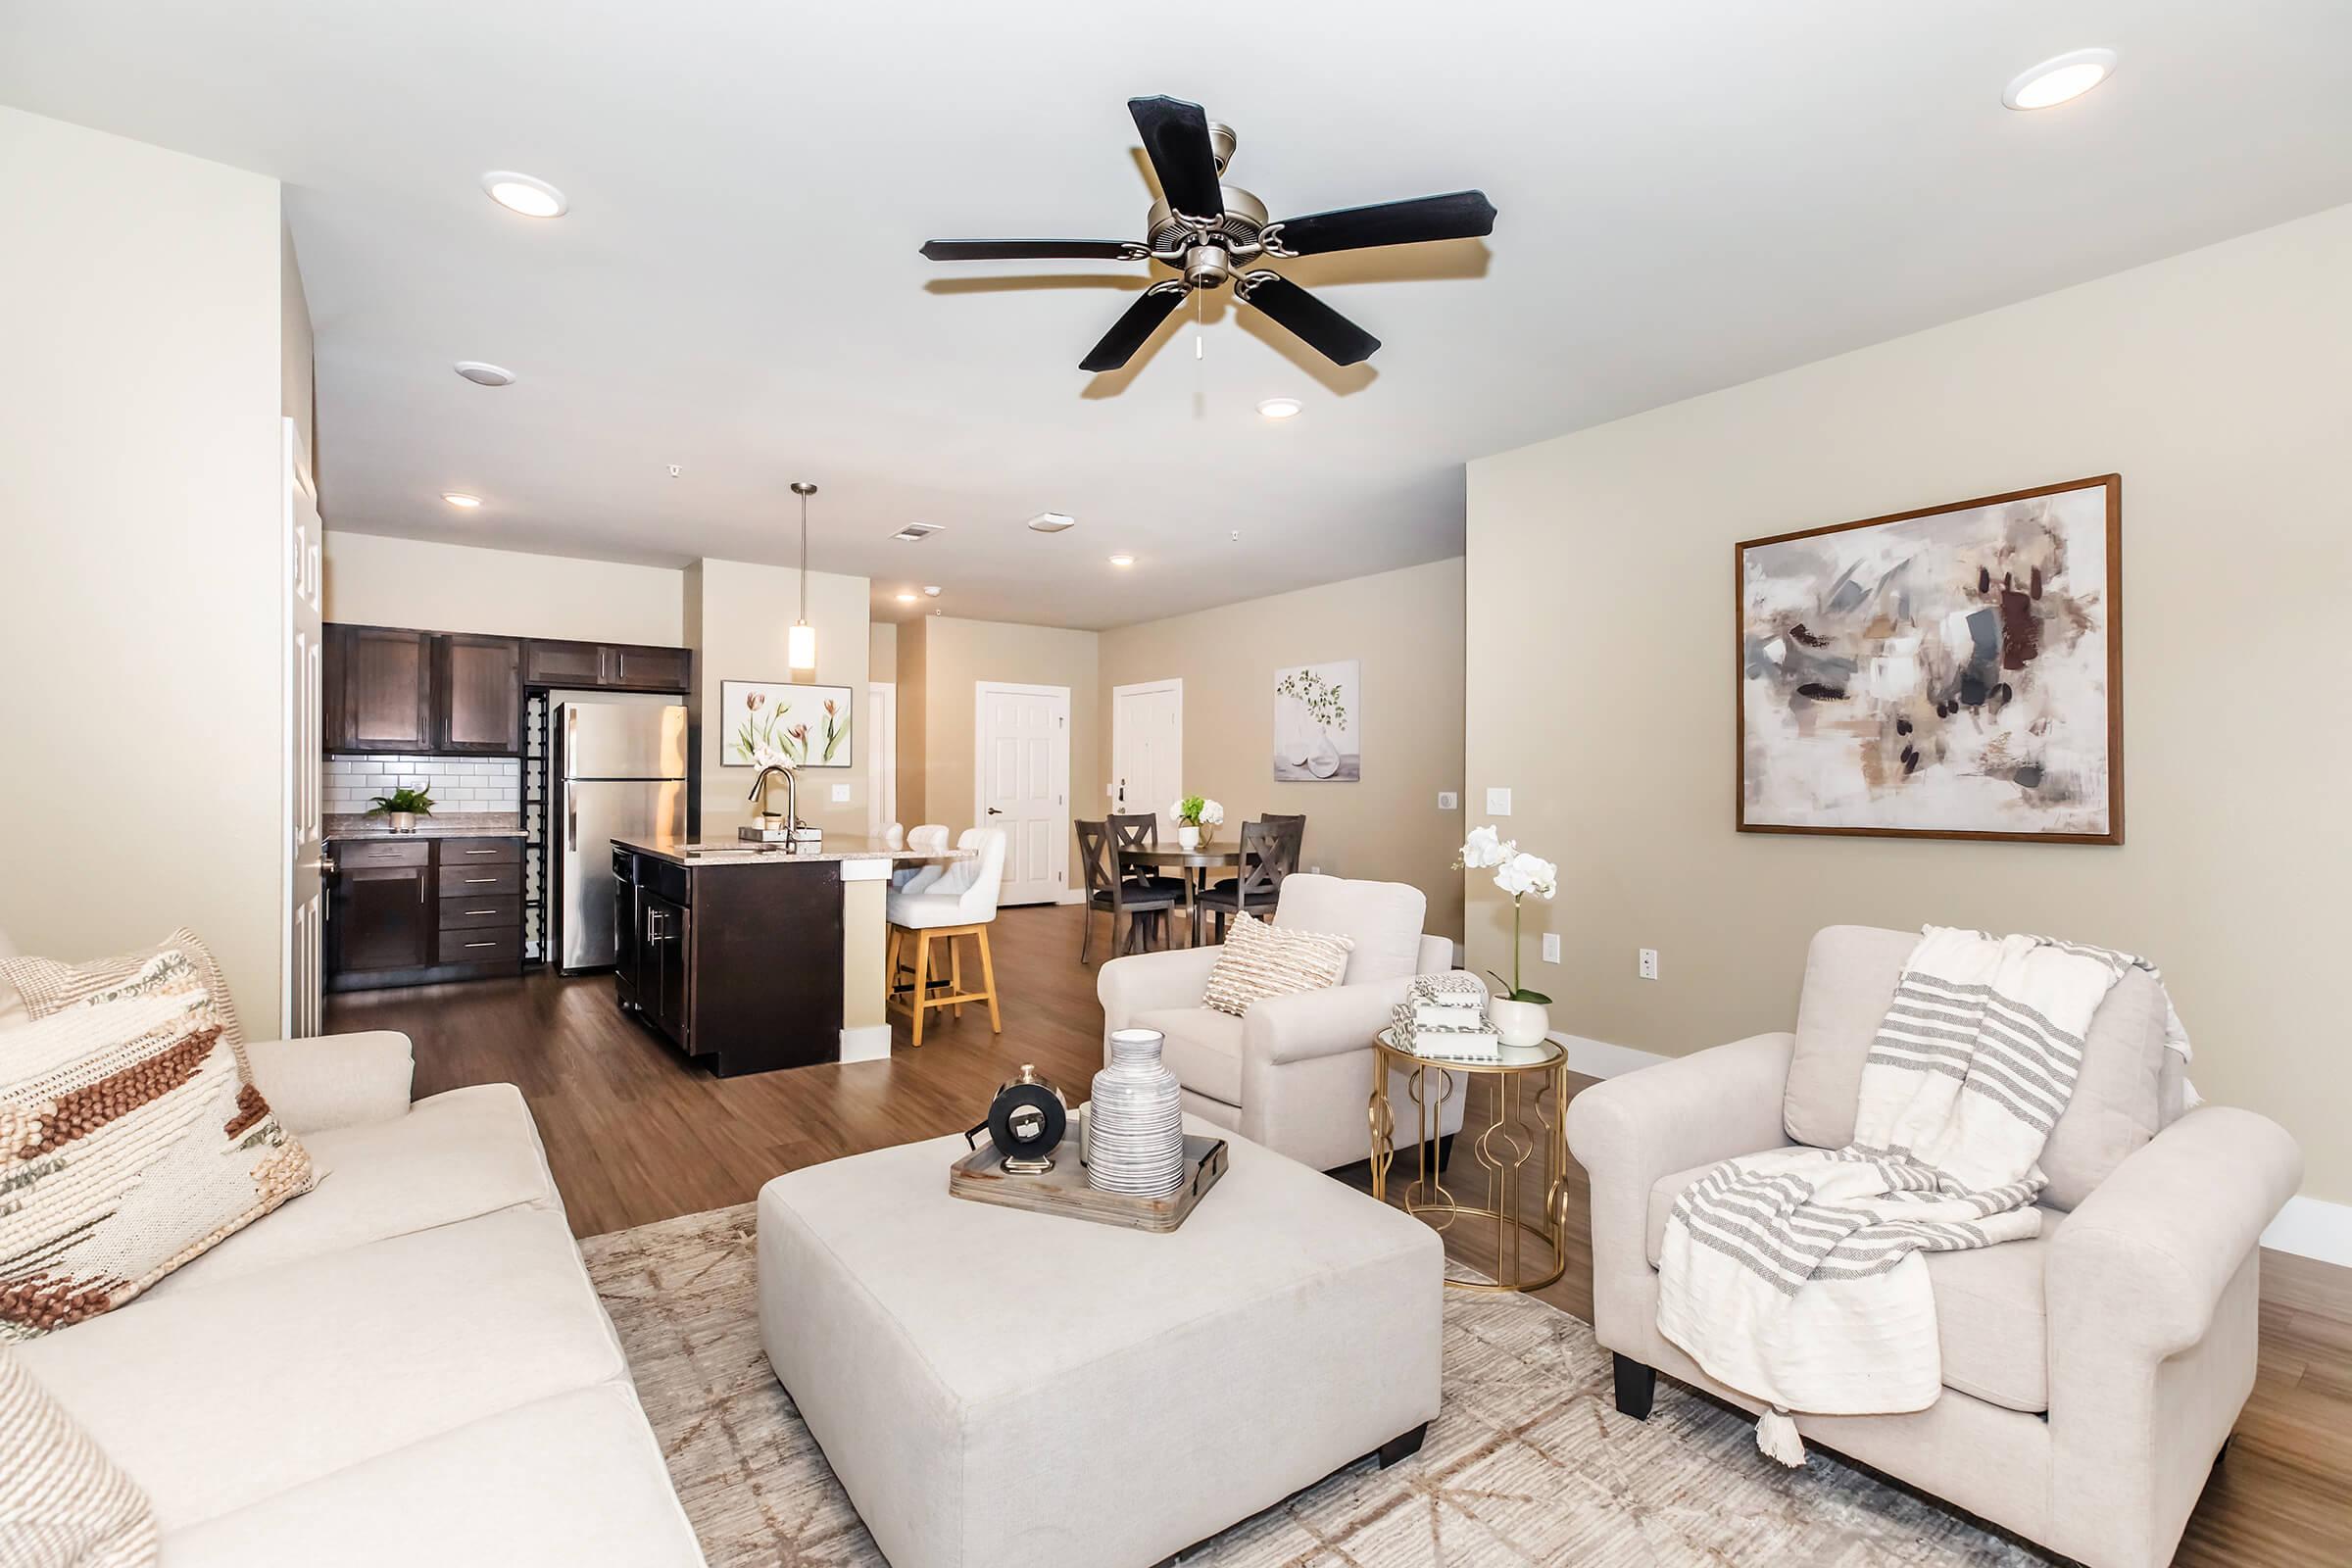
x: 2010, y: 624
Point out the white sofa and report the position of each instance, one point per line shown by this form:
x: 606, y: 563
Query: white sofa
x: 407, y: 1365
x: 1293, y: 1073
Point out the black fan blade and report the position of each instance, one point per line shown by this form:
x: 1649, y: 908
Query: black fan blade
x: 1028, y: 250
x: 1176, y: 140
x: 1460, y: 215
x: 1315, y: 323
x: 1128, y: 332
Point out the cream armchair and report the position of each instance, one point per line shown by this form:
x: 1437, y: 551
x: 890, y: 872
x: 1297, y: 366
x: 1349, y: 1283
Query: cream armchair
x: 2092, y: 1374
x: 1293, y: 1073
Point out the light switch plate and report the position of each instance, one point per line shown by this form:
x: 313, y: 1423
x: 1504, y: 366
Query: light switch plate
x: 1498, y: 803
x: 1551, y: 946
x: 1447, y: 801
x: 841, y: 794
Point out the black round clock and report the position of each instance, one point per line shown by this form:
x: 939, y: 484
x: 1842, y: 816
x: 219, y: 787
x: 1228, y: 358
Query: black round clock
x: 1026, y: 1121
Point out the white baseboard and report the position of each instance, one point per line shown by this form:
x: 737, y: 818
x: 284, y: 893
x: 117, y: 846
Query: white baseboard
x: 2308, y: 1227
x: 2313, y: 1227
x: 865, y: 1043
x: 1071, y: 895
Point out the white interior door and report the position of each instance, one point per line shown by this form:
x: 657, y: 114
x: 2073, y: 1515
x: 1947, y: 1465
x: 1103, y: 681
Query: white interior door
x: 1023, y: 775
x: 881, y: 755
x: 1147, y: 747
x: 305, y: 924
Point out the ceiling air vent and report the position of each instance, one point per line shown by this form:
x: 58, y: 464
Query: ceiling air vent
x: 914, y: 531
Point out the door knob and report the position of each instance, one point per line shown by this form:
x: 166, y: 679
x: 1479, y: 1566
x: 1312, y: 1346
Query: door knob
x: 993, y: 811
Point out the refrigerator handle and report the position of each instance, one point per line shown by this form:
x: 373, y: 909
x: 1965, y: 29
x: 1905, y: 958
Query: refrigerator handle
x: 572, y: 817
x: 572, y: 735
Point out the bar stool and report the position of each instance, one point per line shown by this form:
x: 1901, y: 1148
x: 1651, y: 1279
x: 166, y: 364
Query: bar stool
x: 960, y: 903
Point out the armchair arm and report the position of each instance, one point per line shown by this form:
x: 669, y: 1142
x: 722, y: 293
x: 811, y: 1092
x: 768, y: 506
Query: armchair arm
x: 2144, y: 1259
x: 333, y: 1080
x: 1144, y: 981
x: 1319, y: 1023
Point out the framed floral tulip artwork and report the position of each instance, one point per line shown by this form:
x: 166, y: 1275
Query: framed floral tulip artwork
x: 775, y: 721
x: 1953, y: 673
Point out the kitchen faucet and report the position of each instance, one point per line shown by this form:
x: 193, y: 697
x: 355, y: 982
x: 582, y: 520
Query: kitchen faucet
x: 792, y: 800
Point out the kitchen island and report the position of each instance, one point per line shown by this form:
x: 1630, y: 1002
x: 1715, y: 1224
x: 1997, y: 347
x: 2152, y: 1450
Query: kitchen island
x: 749, y: 957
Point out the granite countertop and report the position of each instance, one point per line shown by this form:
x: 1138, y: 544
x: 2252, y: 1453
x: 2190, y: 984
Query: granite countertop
x: 732, y: 850
x: 441, y: 826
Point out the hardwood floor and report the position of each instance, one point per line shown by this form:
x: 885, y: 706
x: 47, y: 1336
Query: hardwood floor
x: 634, y: 1135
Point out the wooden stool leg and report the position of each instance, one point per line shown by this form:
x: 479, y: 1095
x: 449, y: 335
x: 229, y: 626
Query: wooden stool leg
x: 890, y: 972
x: 922, y: 977
x: 955, y: 974
x: 988, y: 978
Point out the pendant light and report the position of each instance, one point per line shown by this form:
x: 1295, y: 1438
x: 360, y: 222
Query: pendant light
x: 801, y: 648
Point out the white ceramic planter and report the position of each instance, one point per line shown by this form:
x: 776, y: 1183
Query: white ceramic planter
x: 1520, y: 1023
x: 1188, y: 835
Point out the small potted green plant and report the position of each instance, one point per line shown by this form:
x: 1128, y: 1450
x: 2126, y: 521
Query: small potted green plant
x: 401, y: 808
x: 1195, y: 816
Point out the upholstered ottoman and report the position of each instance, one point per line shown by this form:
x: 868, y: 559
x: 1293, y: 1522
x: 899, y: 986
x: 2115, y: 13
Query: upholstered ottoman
x: 998, y: 1388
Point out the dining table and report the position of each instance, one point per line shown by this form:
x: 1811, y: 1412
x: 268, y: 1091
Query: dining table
x: 1191, y: 866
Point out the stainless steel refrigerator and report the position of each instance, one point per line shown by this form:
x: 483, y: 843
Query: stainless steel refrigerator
x: 619, y: 772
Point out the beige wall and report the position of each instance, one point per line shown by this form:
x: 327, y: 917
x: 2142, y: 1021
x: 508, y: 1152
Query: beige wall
x: 2218, y: 385
x: 140, y: 543
x: 297, y: 372
x: 1405, y: 627
x: 913, y: 661
x: 376, y: 582
x: 957, y: 655
x: 737, y: 615
x: 882, y: 653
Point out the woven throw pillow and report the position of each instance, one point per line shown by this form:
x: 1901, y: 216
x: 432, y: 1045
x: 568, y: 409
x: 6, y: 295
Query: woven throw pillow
x: 129, y: 1142
x: 44, y: 984
x: 1260, y: 960
x: 63, y: 1502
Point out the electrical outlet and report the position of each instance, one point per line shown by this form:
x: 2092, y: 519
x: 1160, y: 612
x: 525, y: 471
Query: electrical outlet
x: 1551, y: 946
x: 841, y: 794
x: 1498, y: 803
x: 1650, y: 963
x: 1447, y: 801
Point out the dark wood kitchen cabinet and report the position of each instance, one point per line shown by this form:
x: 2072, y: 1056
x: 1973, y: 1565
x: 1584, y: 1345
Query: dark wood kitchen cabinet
x: 607, y: 666
x: 380, y: 909
x: 381, y: 685
x: 418, y: 912
x: 478, y: 693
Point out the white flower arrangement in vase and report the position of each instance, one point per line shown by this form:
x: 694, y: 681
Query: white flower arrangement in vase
x: 1519, y: 1015
x: 1194, y: 814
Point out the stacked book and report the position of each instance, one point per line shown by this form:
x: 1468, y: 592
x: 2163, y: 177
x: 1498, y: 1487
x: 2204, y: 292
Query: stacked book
x: 1444, y: 1017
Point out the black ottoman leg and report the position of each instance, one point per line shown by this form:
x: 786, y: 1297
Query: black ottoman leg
x: 1446, y: 1151
x: 1402, y: 1446
x: 1637, y: 1386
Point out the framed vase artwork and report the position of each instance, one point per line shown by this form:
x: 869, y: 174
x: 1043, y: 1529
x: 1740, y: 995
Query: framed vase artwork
x: 1952, y: 672
x: 1317, y: 711
x: 768, y: 720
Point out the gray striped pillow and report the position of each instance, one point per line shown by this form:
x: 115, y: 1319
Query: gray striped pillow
x: 1261, y: 960
x: 63, y: 1502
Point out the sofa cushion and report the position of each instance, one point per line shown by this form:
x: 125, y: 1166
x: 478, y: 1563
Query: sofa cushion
x: 34, y: 988
x: 576, y: 1479
x: 1991, y: 1313
x: 454, y: 1156
x: 1382, y: 919
x: 215, y: 1398
x: 1202, y: 1049
x: 2121, y: 1092
x: 1259, y: 962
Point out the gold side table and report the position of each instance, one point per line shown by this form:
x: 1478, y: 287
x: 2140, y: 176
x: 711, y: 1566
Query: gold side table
x: 1526, y: 1117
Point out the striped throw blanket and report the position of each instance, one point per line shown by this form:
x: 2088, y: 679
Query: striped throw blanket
x: 1797, y: 1276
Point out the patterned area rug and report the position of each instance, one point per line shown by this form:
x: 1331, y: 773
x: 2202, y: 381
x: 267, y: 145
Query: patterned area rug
x: 1530, y: 1463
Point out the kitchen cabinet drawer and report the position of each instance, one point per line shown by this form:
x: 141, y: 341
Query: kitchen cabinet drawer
x: 491, y: 909
x: 383, y: 852
x: 480, y: 852
x: 500, y: 946
x: 466, y: 881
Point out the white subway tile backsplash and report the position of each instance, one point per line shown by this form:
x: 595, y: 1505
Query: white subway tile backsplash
x: 475, y: 784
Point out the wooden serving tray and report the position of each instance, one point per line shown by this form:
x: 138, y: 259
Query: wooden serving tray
x: 981, y: 1177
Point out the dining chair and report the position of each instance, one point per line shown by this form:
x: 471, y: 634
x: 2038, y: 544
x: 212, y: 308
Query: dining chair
x: 929, y: 839
x: 1140, y: 902
x: 1135, y: 830
x: 961, y: 901
x: 1297, y: 822
x: 1259, y: 883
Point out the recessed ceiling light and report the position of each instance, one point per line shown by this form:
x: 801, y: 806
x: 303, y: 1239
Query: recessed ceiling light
x: 1053, y: 521
x: 1122, y: 559
x: 1280, y: 408
x: 532, y: 198
x: 481, y: 374
x: 908, y: 599
x: 2060, y: 78
x: 460, y: 500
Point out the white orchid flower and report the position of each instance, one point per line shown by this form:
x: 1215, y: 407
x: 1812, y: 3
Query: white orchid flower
x: 1523, y: 874
x: 1484, y: 848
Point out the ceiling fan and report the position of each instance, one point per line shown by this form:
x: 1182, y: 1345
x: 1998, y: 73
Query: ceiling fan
x: 1211, y: 233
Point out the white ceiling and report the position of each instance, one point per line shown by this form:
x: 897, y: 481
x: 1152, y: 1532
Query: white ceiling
x: 1691, y: 195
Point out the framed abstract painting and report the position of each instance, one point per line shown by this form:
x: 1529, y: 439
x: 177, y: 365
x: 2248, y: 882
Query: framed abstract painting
x: 1953, y: 673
